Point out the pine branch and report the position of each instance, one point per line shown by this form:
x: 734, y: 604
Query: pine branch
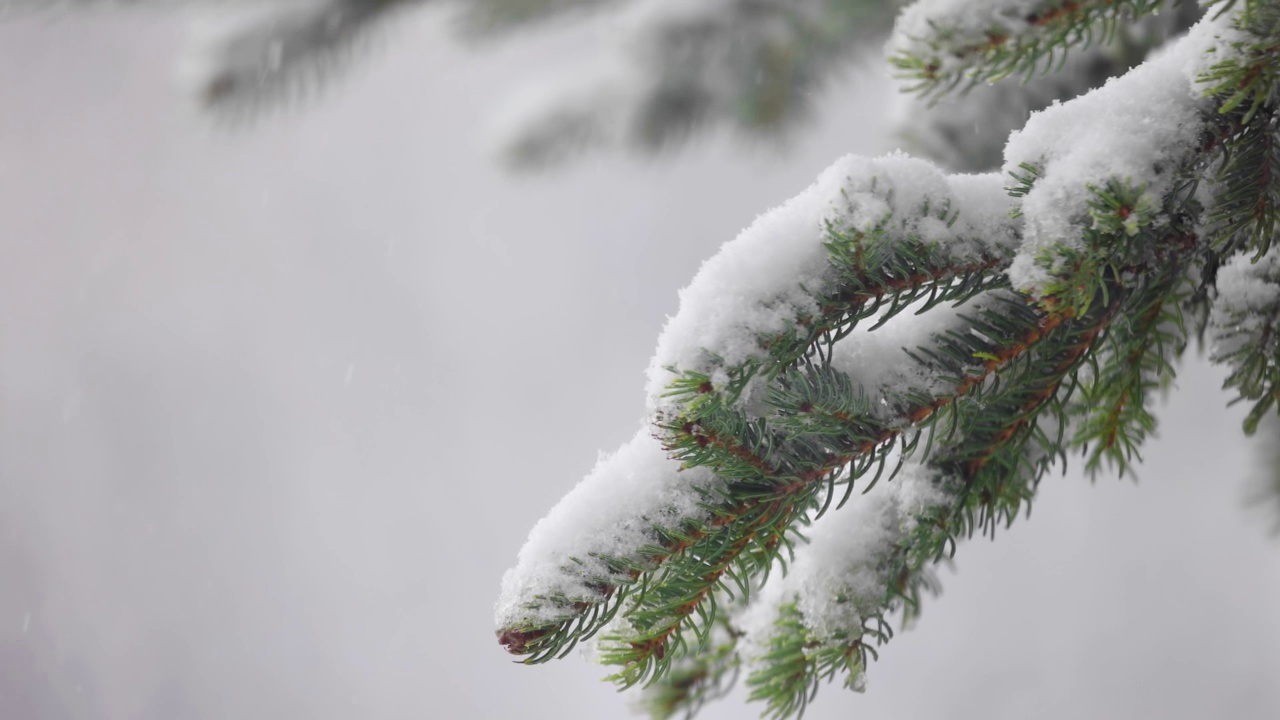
x: 751, y: 65
x: 1111, y: 181
x: 588, y: 554
x: 942, y: 45
x: 775, y: 476
x: 761, y: 500
x: 792, y: 671
x: 278, y: 54
x: 1243, y: 328
x: 697, y: 677
x: 1046, y: 314
x: 681, y: 598
x: 1113, y: 403
x: 487, y: 17
x: 775, y: 501
x: 1246, y: 84
x: 972, y: 483
x: 892, y: 245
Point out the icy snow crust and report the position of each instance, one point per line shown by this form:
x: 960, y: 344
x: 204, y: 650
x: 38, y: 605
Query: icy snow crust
x: 764, y: 279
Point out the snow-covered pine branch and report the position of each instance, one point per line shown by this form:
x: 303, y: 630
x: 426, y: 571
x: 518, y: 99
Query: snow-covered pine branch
x: 936, y: 342
x: 1245, y: 324
x: 1052, y: 309
x: 803, y: 274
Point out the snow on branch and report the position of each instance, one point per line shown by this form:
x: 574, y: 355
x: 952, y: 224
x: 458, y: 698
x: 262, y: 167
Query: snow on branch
x: 1107, y: 166
x: 837, y: 252
x: 978, y: 468
x: 580, y: 559
x: 826, y: 614
x: 831, y: 612
x: 1244, y: 326
x: 894, y: 231
x: 967, y: 331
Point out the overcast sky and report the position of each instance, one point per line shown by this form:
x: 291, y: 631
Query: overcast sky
x: 279, y: 405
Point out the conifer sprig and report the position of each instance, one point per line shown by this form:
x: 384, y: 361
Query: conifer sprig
x: 987, y: 477
x: 483, y: 17
x: 941, y: 52
x: 772, y: 479
x: 1245, y: 82
x: 1113, y: 405
x: 968, y: 360
x: 876, y: 272
x: 697, y: 677
x: 751, y: 65
x: 1244, y: 324
x: 779, y: 465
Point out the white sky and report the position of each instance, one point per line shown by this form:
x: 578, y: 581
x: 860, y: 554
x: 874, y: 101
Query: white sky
x: 278, y: 407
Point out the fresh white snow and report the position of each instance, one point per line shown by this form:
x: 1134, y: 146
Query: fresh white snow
x: 611, y: 512
x: 1140, y: 128
x: 765, y: 278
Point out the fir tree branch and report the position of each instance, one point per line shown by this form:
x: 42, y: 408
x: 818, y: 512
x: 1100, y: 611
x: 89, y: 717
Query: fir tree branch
x: 271, y: 55
x: 675, y: 600
x: 751, y: 65
x: 967, y: 132
x: 776, y: 496
x: 1243, y: 327
x: 1089, y: 204
x: 774, y: 380
x: 567, y: 585
x: 697, y: 677
x: 981, y: 480
x: 739, y: 533
x: 889, y: 247
x: 486, y: 17
x: 1112, y: 405
x: 1246, y: 84
x: 942, y: 46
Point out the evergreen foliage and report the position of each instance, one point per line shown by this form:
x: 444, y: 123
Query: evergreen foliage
x: 891, y: 362
x: 1060, y: 322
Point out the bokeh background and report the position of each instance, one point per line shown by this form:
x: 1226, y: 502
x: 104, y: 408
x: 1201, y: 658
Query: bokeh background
x: 279, y: 404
